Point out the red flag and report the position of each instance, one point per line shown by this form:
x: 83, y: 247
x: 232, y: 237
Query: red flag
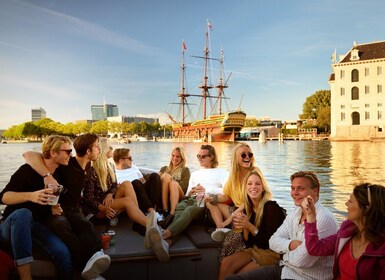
x: 209, y: 25
x: 184, y: 46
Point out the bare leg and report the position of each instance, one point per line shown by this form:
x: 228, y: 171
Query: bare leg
x: 167, y: 234
x: 25, y: 271
x: 126, y: 189
x: 176, y: 194
x: 166, y: 181
x: 233, y: 264
x: 216, y: 214
x: 132, y: 210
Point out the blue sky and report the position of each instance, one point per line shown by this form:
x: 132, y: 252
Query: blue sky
x: 65, y: 56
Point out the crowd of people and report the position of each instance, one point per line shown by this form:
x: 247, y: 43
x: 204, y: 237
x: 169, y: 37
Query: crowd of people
x: 257, y: 238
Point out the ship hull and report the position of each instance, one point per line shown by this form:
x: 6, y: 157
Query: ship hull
x: 216, y: 128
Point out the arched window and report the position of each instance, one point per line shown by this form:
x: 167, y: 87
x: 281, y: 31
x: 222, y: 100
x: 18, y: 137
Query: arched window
x: 355, y: 118
x: 355, y: 93
x: 355, y: 75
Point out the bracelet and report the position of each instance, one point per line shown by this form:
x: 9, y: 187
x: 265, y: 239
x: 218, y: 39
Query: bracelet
x: 47, y: 175
x: 215, y: 198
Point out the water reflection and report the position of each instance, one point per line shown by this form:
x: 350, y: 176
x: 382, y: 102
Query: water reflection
x: 339, y: 165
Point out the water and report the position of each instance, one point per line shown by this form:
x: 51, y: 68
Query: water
x: 339, y: 165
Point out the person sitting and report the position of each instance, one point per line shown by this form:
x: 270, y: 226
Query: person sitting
x: 359, y: 245
x: 27, y: 211
x: 71, y: 226
x: 289, y: 238
x: 263, y: 217
x: 148, y: 190
x: 207, y: 181
x: 103, y: 197
x: 242, y: 162
x: 175, y: 178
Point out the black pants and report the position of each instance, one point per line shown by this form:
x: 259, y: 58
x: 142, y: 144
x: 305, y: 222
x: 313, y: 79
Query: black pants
x: 149, y: 194
x: 78, y: 234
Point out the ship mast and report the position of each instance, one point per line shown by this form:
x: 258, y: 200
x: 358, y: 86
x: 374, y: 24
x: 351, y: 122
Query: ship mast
x: 204, y: 86
x: 182, y: 94
x: 221, y: 86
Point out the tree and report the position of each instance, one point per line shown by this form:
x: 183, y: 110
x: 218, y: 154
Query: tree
x: 317, y: 106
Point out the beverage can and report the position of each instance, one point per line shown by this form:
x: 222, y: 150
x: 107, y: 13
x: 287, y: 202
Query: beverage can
x: 106, y: 239
x: 111, y: 233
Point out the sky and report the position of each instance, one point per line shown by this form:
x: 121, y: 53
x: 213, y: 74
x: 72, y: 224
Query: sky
x: 65, y: 56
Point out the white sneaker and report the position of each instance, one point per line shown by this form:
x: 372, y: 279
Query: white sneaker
x: 159, y: 217
x: 158, y: 244
x: 219, y: 234
x: 96, y: 265
x: 150, y: 222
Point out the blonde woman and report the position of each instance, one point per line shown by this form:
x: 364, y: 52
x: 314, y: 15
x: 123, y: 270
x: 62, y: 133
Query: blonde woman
x: 102, y: 196
x: 263, y: 217
x: 242, y: 161
x: 175, y: 178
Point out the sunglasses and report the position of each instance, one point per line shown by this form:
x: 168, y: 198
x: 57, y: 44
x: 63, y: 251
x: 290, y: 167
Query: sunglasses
x: 244, y: 155
x: 202, y: 156
x: 69, y: 151
x: 129, y: 158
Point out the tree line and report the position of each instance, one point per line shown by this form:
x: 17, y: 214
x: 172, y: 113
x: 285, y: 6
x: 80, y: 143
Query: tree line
x: 41, y: 128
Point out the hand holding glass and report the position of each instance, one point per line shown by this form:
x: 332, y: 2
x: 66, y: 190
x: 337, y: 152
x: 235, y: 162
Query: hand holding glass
x: 56, y: 191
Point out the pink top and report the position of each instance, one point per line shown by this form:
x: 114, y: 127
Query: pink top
x: 347, y: 263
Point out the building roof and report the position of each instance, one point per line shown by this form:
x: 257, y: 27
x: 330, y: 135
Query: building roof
x: 375, y: 50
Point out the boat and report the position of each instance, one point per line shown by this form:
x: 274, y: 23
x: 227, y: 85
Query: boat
x: 213, y: 127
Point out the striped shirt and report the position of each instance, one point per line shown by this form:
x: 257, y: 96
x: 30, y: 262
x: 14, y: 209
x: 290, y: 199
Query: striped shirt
x: 298, y: 264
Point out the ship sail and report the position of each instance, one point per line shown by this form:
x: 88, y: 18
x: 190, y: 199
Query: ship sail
x: 218, y: 126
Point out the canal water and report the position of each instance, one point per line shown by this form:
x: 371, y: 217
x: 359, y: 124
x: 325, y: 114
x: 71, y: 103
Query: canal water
x: 339, y: 165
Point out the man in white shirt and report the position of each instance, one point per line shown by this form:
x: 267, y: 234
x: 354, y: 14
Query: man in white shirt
x: 148, y: 192
x: 208, y: 180
x: 289, y: 239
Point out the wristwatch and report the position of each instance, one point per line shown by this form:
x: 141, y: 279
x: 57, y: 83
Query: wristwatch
x: 256, y: 231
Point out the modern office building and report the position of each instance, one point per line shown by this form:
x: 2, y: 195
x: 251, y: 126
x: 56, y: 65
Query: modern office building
x: 38, y: 114
x: 102, y: 112
x: 357, y: 86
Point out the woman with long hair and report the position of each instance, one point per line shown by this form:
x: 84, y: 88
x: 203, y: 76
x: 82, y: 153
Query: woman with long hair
x: 242, y: 161
x: 359, y: 244
x: 175, y: 178
x: 103, y: 197
x: 262, y: 218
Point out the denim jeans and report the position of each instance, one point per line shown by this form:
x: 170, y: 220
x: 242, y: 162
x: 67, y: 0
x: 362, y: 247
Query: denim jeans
x: 17, y: 232
x: 185, y: 213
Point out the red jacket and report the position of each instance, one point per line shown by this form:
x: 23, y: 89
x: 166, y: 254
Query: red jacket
x: 371, y: 264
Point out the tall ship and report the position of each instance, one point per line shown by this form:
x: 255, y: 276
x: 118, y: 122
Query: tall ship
x: 214, y: 124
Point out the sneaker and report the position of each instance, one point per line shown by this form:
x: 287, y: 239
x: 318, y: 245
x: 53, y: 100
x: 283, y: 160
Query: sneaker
x: 159, y: 217
x: 96, y: 265
x: 219, y: 234
x: 158, y: 244
x: 167, y: 221
x: 150, y: 222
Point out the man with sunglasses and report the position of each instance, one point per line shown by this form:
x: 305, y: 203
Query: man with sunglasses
x: 209, y: 181
x: 71, y: 226
x: 27, y: 212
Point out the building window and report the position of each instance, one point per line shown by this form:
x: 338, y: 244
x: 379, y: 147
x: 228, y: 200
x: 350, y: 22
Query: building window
x: 342, y: 91
x: 366, y: 89
x: 379, y: 115
x: 367, y: 115
x: 366, y: 72
x: 379, y: 104
x: 379, y: 70
x: 355, y: 118
x: 355, y: 93
x: 366, y: 105
x: 355, y: 75
x: 342, y: 116
x: 379, y: 88
x: 342, y: 106
x: 342, y: 74
x: 379, y: 129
